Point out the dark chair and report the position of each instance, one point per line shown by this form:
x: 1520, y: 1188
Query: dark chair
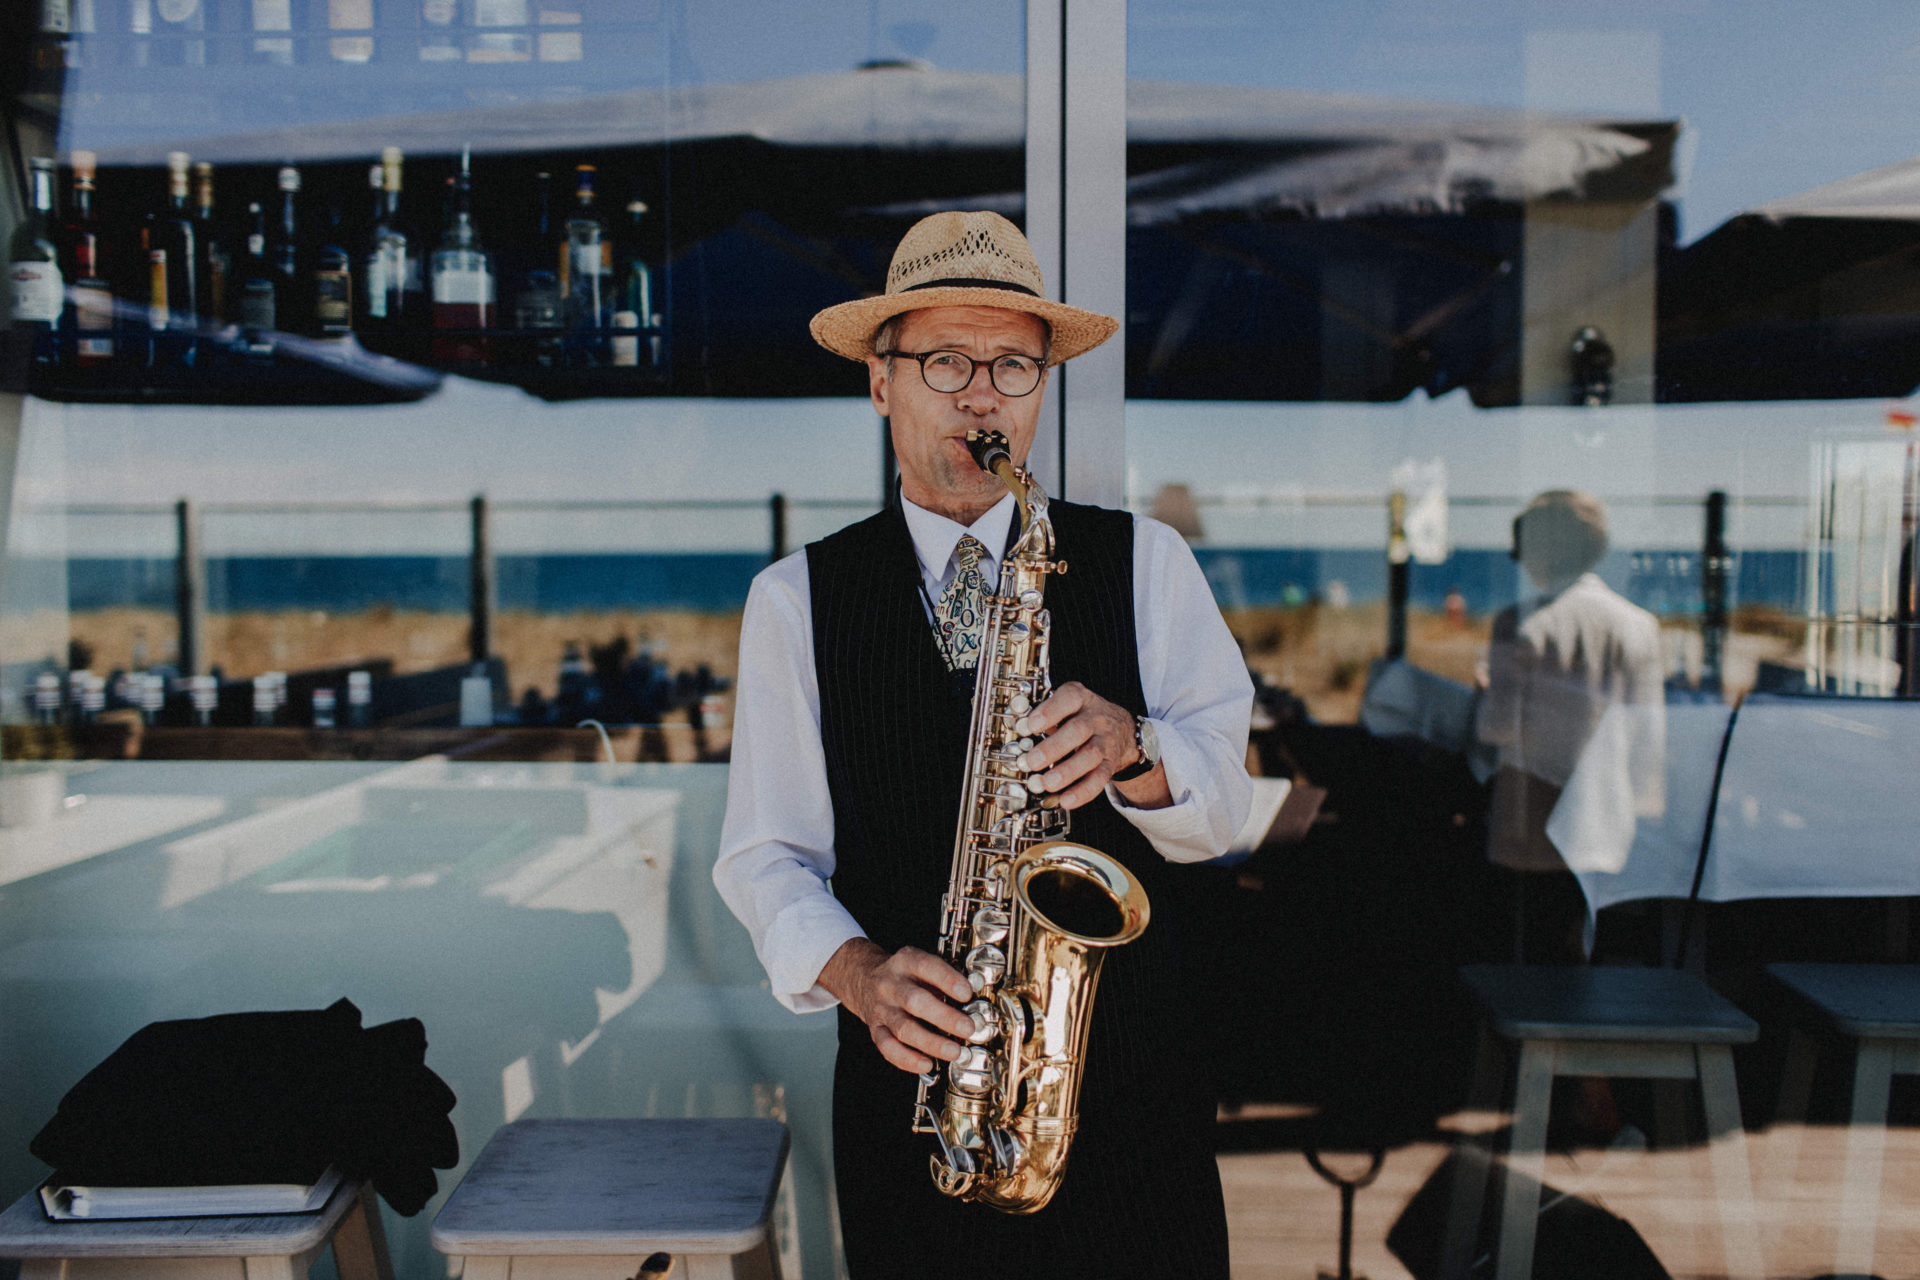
x: 1878, y: 1007
x: 1602, y: 1021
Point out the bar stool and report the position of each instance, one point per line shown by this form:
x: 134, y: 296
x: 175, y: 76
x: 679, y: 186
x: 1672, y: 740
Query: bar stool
x: 1878, y: 1007
x: 277, y: 1246
x: 1577, y: 1020
x: 588, y: 1199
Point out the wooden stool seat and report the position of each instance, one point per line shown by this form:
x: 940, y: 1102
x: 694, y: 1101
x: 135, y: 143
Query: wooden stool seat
x: 588, y: 1198
x: 1877, y: 1006
x: 278, y: 1246
x: 1601, y: 1020
x: 1606, y: 1002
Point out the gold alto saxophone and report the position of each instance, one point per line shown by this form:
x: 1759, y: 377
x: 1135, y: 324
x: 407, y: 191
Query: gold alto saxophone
x: 1027, y: 916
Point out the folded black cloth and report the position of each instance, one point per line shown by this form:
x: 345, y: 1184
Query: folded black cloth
x: 259, y: 1097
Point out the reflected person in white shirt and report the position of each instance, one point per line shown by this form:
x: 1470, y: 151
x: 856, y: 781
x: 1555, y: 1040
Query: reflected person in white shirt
x: 1557, y: 664
x: 848, y: 758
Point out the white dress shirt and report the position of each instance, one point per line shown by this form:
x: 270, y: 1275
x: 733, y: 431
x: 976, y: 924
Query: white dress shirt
x: 776, y: 846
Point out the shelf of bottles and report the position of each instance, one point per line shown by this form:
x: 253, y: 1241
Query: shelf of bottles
x: 352, y: 279
x: 427, y: 37
x: 302, y: 300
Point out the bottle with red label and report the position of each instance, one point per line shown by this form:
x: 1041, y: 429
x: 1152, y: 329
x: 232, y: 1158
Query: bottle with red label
x: 88, y: 321
x: 36, y: 291
x: 462, y: 280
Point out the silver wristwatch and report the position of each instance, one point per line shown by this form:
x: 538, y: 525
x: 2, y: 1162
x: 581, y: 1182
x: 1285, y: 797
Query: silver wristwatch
x: 1146, y: 740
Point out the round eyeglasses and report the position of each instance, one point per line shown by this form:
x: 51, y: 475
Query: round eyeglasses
x: 950, y: 371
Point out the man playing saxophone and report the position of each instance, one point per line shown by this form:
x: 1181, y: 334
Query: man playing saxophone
x: 851, y: 741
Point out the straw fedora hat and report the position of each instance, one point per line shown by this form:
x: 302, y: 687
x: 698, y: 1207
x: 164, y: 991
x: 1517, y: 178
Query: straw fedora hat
x: 961, y: 259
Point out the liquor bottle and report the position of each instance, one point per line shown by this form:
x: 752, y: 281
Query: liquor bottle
x: 536, y: 301
x: 181, y: 32
x: 285, y: 252
x: 388, y: 262
x: 139, y: 46
x: 211, y: 260
x: 350, y: 15
x: 332, y: 288
x: 586, y: 285
x: 255, y: 292
x: 437, y: 42
x: 171, y: 286
x: 89, y: 315
x: 463, y: 291
x: 636, y: 284
x: 36, y: 291
x: 274, y: 22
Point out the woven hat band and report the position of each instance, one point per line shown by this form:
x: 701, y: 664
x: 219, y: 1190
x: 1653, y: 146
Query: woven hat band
x: 972, y: 282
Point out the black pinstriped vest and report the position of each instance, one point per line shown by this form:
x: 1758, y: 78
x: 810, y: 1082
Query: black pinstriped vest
x: 894, y: 731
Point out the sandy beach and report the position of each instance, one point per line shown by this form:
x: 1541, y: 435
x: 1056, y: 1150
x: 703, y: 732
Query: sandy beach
x: 1318, y: 651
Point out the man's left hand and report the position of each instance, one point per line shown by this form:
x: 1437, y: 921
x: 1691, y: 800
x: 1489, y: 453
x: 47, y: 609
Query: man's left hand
x: 1088, y: 741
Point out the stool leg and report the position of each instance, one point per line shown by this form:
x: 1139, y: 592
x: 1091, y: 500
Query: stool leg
x: 1790, y: 1112
x: 762, y: 1262
x: 1526, y: 1159
x: 1866, y: 1145
x: 1466, y: 1198
x: 1727, y: 1149
x: 360, y: 1241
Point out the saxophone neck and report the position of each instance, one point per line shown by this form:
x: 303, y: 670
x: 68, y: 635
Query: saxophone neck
x: 991, y: 451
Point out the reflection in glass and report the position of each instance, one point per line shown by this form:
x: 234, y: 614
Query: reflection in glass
x: 1560, y: 664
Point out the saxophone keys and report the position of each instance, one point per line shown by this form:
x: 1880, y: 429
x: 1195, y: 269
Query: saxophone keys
x: 1036, y: 784
x: 986, y: 1022
x: 1019, y: 704
x: 991, y: 926
x: 972, y: 1072
x: 1030, y: 599
x: 985, y: 966
x: 1018, y: 631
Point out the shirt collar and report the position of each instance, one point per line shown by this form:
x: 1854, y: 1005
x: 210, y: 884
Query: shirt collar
x: 935, y: 536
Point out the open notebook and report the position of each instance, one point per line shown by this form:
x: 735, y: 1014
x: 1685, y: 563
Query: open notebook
x: 91, y: 1204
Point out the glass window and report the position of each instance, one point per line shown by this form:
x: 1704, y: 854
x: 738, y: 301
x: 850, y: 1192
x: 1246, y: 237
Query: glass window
x: 1533, y: 387
x: 398, y: 397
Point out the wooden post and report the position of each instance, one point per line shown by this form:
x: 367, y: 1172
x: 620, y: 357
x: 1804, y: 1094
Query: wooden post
x: 1715, y: 568
x: 482, y: 598
x: 190, y: 589
x: 1399, y: 575
x: 777, y: 513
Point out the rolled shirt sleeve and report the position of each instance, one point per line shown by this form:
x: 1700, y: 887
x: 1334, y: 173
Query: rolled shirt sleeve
x: 776, y: 843
x: 1199, y: 698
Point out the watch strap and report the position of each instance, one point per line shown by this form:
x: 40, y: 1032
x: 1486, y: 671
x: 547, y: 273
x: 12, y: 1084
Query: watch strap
x: 1139, y: 768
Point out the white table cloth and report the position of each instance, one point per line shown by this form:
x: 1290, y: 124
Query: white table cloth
x: 1821, y: 799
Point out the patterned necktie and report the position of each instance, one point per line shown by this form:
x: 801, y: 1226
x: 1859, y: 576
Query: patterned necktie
x: 960, y: 616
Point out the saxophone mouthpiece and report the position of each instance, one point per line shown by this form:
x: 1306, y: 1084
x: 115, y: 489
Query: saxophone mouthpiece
x: 988, y: 447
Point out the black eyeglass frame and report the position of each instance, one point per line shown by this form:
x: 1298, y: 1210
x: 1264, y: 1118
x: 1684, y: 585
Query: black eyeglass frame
x: 921, y: 357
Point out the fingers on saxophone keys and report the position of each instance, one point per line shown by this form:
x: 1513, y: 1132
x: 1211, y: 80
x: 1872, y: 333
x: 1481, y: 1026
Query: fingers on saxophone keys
x: 940, y: 975
x: 1081, y: 776
x: 899, y: 1054
x: 937, y: 1015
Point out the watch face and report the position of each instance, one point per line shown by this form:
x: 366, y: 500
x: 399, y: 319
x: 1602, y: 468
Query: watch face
x: 1149, y: 740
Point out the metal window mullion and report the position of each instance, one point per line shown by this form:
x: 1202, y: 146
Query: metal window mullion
x: 1046, y: 183
x: 1093, y: 397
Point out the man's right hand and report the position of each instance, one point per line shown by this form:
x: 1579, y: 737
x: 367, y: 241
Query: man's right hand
x: 907, y: 999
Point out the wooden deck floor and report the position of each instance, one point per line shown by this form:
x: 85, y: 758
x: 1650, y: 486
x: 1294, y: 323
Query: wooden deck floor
x: 1284, y: 1221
